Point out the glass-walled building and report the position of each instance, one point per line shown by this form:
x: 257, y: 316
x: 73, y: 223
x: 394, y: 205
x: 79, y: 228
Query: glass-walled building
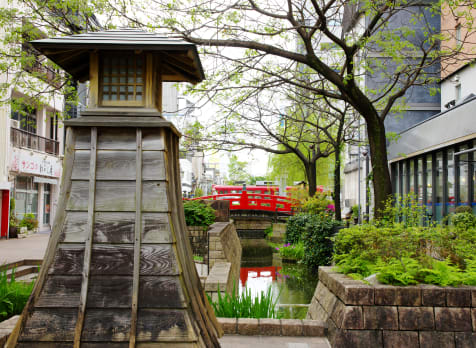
x: 441, y: 179
x: 435, y: 160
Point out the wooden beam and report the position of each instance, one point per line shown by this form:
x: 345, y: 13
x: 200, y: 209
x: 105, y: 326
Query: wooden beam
x: 89, y: 240
x: 137, y: 240
x: 93, y: 80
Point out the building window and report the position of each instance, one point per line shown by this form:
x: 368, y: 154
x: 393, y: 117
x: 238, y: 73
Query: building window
x: 463, y: 171
x: 25, y: 115
x: 26, y: 196
x: 458, y: 36
x: 46, y: 203
x: 122, y: 80
x: 429, y: 181
x: 439, y: 186
x: 404, y: 178
x: 419, y: 171
x: 450, y: 183
x: 458, y: 92
x: 412, y: 177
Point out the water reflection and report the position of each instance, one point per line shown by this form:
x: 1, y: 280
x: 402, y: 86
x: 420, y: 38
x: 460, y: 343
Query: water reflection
x: 293, y: 282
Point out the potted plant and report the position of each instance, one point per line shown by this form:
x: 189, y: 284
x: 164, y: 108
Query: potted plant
x: 29, y: 221
x: 13, y: 225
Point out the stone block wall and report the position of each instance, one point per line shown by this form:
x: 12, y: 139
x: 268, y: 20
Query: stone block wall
x: 225, y: 258
x: 360, y: 315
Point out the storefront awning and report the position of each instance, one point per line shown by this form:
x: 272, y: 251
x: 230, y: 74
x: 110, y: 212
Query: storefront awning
x: 41, y: 180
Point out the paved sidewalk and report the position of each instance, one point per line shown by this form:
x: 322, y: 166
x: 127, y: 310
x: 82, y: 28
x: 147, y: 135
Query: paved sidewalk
x: 16, y: 249
x: 236, y: 341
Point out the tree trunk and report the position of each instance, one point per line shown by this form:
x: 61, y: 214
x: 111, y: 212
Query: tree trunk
x: 378, y: 155
x: 337, y: 184
x: 311, y: 177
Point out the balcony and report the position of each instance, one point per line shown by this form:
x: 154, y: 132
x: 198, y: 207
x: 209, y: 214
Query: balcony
x: 22, y: 139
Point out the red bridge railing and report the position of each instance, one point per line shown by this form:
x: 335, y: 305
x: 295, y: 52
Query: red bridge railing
x: 254, y: 201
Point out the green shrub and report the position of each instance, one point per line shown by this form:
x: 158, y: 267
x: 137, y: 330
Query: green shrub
x: 318, y: 246
x: 463, y: 221
x: 463, y: 209
x: 29, y: 221
x: 292, y: 251
x: 403, y: 255
x: 198, y: 213
x: 13, y: 295
x: 295, y: 227
x: 317, y: 204
x: 244, y: 305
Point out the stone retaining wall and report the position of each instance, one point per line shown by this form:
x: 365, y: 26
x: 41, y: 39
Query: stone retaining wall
x: 360, y: 315
x: 225, y: 259
x: 272, y: 327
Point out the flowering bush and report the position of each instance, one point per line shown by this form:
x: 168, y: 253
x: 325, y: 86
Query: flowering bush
x: 319, y: 203
x: 292, y: 251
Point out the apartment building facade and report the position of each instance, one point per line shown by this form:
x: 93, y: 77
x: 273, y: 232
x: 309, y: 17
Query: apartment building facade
x: 31, y: 143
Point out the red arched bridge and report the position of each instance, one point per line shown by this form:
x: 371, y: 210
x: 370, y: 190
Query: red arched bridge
x: 254, y: 202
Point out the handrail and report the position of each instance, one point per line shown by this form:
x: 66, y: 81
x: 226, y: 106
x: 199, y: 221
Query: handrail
x: 254, y: 201
x: 22, y: 138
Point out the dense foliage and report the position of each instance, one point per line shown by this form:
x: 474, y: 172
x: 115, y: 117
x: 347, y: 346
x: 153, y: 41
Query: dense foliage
x: 198, y: 213
x: 402, y: 255
x: 245, y: 305
x: 13, y: 295
x: 317, y: 241
x: 314, y: 232
x: 295, y: 227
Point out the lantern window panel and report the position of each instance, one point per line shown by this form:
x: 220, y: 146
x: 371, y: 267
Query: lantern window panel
x: 122, y: 80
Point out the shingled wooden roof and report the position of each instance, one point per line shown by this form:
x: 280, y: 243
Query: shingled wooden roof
x: 181, y: 61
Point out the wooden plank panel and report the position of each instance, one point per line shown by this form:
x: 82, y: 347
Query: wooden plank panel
x: 83, y: 138
x: 114, y: 227
x: 158, y: 259
x: 78, y: 198
x: 105, y: 325
x: 115, y: 195
x: 168, y: 345
x: 45, y: 345
x: 110, y: 291
x: 156, y: 228
x: 153, y: 165
x: 112, y: 259
x: 116, y: 138
x: 50, y: 324
x: 81, y: 165
x: 74, y: 228
x: 153, y: 139
x: 68, y: 260
x: 171, y: 292
x: 164, y: 325
x: 154, y: 196
x: 116, y: 165
x: 60, y: 291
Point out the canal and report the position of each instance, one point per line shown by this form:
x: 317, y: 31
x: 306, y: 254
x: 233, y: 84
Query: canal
x: 291, y: 283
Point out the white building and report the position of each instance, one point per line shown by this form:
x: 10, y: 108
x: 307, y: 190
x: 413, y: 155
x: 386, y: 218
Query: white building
x: 31, y: 146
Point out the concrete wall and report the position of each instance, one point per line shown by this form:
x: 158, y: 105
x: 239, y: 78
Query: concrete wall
x: 360, y: 315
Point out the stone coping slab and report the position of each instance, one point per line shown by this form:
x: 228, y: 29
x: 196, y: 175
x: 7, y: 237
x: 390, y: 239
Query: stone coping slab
x: 273, y: 327
x: 6, y: 328
x: 357, y: 293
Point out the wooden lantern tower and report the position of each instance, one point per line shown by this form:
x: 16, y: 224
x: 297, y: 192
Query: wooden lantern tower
x: 118, y: 271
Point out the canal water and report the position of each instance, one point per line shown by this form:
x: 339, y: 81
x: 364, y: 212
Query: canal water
x: 291, y: 283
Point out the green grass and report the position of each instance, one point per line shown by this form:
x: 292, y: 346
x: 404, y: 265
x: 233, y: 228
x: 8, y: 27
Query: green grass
x: 245, y: 306
x: 13, y: 295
